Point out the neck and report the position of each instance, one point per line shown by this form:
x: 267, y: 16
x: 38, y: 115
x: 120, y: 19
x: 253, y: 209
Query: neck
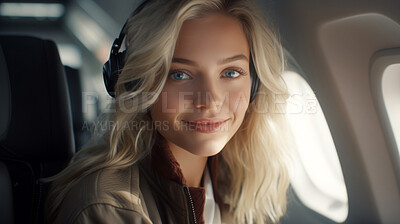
x: 192, y: 166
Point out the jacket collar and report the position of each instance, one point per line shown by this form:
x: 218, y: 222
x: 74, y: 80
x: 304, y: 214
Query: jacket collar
x: 168, y: 168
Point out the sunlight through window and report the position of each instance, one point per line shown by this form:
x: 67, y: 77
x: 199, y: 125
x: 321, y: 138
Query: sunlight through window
x: 391, y: 98
x: 318, y: 179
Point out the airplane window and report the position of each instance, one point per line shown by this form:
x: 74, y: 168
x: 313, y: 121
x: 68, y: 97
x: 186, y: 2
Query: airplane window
x: 317, y: 180
x: 391, y: 97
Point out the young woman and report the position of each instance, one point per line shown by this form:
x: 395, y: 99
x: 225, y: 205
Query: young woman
x: 199, y: 131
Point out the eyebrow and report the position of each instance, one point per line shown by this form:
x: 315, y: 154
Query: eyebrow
x: 233, y: 58
x: 184, y: 61
x: 220, y: 62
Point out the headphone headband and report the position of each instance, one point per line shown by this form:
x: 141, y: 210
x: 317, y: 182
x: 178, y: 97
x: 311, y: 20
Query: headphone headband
x: 118, y: 41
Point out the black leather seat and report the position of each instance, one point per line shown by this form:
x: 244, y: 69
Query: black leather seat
x: 81, y: 130
x: 36, y: 136
x: 6, y: 203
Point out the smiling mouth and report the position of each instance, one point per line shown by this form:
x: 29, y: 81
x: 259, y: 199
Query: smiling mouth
x: 205, y: 126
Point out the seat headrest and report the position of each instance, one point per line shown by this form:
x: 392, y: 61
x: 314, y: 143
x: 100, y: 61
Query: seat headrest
x: 37, y: 124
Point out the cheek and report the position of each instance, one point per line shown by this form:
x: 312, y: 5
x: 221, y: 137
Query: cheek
x: 167, y: 106
x: 239, y: 99
x: 238, y: 103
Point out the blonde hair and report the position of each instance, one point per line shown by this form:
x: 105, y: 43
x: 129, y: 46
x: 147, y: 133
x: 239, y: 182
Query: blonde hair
x: 253, y: 170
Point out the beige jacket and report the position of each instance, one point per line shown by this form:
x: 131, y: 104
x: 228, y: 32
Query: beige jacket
x: 131, y: 195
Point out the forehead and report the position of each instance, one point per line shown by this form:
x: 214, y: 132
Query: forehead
x: 213, y: 34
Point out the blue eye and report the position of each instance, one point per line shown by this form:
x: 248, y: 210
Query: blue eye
x: 231, y: 74
x: 179, y: 76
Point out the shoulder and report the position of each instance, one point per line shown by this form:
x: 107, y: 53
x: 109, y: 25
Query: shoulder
x: 113, y: 193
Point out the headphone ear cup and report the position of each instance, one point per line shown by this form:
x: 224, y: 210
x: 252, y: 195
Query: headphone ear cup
x: 255, y: 82
x: 107, y: 78
x: 111, y: 70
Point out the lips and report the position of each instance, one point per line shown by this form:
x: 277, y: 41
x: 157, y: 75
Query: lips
x: 205, y: 125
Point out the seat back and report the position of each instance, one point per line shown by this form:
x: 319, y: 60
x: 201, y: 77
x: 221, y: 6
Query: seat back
x: 81, y: 130
x: 6, y: 204
x: 36, y: 135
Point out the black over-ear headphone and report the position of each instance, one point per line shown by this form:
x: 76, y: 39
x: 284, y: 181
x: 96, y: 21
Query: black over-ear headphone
x: 113, y: 67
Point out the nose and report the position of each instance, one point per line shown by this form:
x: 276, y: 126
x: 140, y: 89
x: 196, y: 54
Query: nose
x: 208, y: 94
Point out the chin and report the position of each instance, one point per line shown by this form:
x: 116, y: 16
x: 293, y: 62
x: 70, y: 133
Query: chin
x: 204, y: 149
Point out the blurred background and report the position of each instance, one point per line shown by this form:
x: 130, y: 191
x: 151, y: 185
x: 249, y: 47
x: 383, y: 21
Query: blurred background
x: 85, y: 29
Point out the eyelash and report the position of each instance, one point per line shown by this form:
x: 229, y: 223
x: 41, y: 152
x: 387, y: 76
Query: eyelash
x: 238, y: 70
x: 178, y: 70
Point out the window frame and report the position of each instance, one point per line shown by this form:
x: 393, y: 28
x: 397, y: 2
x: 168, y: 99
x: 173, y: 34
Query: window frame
x: 379, y: 62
